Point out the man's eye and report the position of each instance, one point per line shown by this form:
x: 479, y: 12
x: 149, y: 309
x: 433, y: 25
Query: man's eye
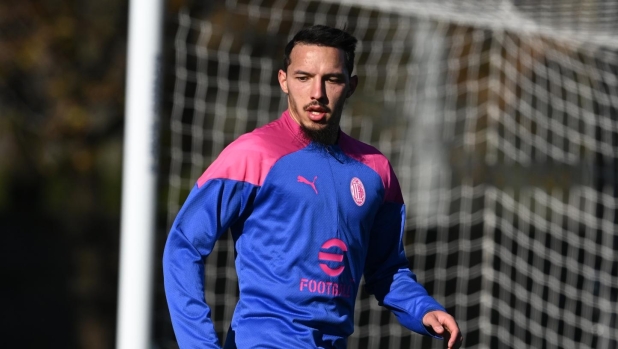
x: 302, y: 78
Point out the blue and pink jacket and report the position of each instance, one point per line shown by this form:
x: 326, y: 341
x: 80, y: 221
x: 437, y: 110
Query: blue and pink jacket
x: 308, y: 221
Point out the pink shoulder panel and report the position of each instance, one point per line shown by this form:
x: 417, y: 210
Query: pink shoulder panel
x: 371, y: 157
x: 250, y: 157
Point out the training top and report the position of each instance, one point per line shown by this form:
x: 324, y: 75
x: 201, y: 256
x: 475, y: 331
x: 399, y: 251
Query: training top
x: 308, y: 221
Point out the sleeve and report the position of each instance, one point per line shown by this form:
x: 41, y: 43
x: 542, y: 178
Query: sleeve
x: 387, y: 273
x: 211, y: 208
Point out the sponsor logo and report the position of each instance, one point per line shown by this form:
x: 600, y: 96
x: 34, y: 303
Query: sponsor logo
x: 304, y: 180
x: 330, y: 257
x: 357, y: 189
x: 332, y: 251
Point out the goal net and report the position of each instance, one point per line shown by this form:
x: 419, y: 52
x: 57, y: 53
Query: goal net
x: 501, y: 121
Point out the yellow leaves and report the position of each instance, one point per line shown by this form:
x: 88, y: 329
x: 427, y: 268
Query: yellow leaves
x: 82, y: 160
x: 64, y: 27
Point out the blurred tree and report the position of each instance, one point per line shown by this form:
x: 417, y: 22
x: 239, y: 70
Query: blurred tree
x: 62, y: 68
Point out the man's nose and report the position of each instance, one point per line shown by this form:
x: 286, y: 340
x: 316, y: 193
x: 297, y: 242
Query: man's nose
x: 317, y: 90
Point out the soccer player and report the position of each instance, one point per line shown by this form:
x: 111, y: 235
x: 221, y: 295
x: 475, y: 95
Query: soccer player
x: 311, y: 210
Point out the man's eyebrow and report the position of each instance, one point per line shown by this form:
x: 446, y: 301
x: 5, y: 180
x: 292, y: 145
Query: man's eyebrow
x: 301, y: 72
x: 334, y: 75
x: 328, y: 75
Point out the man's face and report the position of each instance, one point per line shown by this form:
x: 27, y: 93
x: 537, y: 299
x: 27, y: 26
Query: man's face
x: 317, y: 84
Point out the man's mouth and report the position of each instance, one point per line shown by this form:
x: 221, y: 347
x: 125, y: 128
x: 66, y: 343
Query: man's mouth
x: 316, y: 113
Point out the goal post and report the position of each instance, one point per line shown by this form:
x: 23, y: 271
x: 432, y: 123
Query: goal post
x: 139, y: 176
x: 501, y: 121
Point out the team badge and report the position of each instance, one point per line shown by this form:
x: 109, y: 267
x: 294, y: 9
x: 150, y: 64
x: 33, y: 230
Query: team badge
x: 358, y: 191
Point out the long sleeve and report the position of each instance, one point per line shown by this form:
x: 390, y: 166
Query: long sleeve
x: 207, y: 213
x: 387, y: 272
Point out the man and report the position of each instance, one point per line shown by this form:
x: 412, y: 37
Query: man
x: 311, y: 211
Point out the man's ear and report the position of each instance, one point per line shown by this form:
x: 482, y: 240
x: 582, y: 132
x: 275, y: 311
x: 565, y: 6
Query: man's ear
x: 283, y: 80
x: 353, y: 84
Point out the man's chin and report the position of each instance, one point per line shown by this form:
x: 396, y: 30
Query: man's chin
x: 323, y: 134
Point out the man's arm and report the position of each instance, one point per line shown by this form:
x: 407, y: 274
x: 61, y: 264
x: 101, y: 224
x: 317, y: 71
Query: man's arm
x: 207, y: 213
x: 389, y: 278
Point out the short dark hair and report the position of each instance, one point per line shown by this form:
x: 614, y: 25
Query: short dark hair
x: 322, y: 35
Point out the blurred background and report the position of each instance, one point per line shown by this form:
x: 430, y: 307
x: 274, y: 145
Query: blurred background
x: 62, y: 76
x: 500, y: 118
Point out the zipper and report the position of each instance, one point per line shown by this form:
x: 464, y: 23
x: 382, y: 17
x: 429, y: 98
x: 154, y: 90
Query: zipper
x: 332, y: 167
x: 333, y: 154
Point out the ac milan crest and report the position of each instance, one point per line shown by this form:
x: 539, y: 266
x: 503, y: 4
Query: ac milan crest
x: 358, y: 191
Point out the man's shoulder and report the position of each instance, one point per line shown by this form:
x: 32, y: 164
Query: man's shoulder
x: 362, y: 151
x: 250, y: 157
x: 373, y: 158
x: 268, y: 140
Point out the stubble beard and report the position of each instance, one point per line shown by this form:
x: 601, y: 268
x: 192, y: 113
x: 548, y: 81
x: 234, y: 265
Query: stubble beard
x: 326, y: 135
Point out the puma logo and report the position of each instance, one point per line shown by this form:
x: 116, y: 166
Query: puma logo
x: 302, y: 179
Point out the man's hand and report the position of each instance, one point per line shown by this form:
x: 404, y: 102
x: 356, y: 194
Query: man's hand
x: 444, y: 325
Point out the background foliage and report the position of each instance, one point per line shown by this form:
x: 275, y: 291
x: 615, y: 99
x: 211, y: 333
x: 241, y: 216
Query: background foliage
x: 62, y: 76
